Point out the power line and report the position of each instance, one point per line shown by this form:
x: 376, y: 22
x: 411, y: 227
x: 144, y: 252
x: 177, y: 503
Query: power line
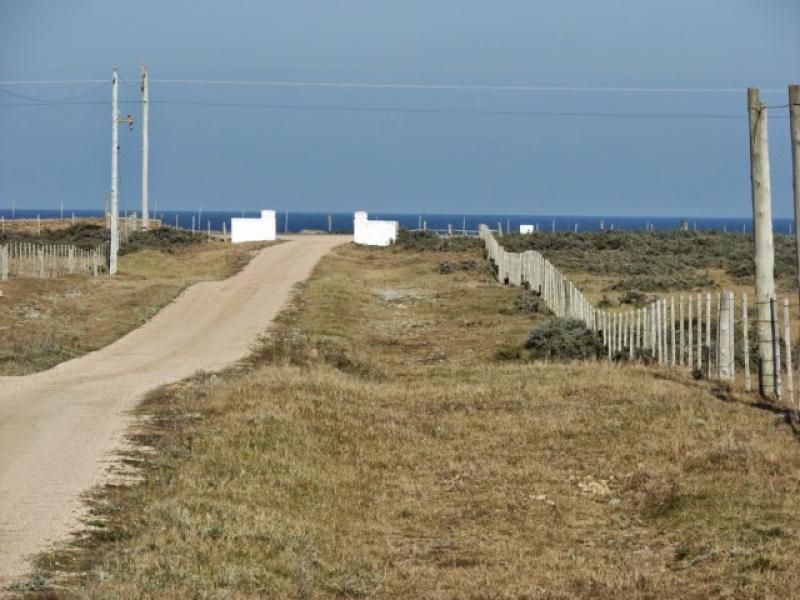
x: 468, y: 87
x: 377, y: 109
x: 55, y: 81
x: 417, y: 86
x: 50, y: 100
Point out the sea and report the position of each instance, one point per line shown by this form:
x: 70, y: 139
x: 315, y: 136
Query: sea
x: 295, y: 222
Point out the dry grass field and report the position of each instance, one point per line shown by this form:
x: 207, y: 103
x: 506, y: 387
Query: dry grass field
x: 46, y: 321
x: 374, y: 448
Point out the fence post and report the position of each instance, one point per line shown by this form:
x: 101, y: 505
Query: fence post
x: 787, y: 340
x: 708, y: 336
x: 699, y: 333
x: 723, y: 339
x: 672, y: 330
x: 732, y: 329
x: 764, y: 250
x: 681, y: 332
x: 776, y: 351
x: 746, y: 345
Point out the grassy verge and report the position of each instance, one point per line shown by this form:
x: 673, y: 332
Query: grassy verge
x: 375, y: 448
x: 46, y: 321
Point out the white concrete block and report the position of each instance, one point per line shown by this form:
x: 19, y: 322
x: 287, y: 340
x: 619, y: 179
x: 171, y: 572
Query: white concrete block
x: 373, y: 233
x: 526, y: 228
x: 254, y: 230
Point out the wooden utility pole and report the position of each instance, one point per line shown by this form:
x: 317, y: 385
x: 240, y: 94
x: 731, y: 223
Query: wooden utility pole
x: 145, y: 145
x: 794, y: 127
x: 112, y: 255
x: 764, y: 251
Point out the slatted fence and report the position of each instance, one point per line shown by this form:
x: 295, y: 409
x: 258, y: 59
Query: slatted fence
x: 46, y: 261
x: 694, y: 331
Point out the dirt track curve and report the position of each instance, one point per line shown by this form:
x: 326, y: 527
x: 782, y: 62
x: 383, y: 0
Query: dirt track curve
x: 59, y: 429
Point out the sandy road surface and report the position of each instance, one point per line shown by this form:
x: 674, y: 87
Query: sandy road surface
x: 59, y: 429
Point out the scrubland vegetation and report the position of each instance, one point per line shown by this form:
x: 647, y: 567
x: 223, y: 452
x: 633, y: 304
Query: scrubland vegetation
x: 657, y: 261
x: 374, y: 446
x: 46, y: 321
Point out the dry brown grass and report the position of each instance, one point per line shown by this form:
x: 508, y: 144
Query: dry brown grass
x: 32, y: 225
x: 46, y: 321
x: 375, y: 449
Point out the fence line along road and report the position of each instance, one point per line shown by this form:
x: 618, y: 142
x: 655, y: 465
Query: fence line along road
x: 45, y: 261
x: 673, y: 332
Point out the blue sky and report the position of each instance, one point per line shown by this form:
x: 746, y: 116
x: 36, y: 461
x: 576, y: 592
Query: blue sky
x: 423, y: 150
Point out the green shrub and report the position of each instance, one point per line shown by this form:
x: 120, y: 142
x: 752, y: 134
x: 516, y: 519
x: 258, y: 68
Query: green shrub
x: 164, y: 238
x: 526, y: 302
x: 641, y: 259
x: 563, y: 339
x: 86, y: 236
x: 429, y: 241
x: 453, y: 266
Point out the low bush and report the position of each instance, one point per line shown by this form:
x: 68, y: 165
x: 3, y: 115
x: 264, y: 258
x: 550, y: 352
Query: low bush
x: 86, y: 236
x: 634, y: 297
x: 422, y: 241
x: 526, y: 302
x: 165, y: 239
x: 644, y: 259
x: 563, y: 339
x: 453, y: 266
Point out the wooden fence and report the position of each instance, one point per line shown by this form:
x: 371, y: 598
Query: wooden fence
x: 694, y: 331
x: 50, y: 260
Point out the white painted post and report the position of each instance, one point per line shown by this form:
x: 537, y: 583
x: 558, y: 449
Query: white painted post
x: 658, y: 332
x: 664, y: 332
x: 672, y: 330
x: 113, y: 225
x: 746, y: 345
x: 209, y: 230
x: 732, y: 329
x: 224, y: 231
x: 764, y: 250
x: 192, y: 223
x: 689, y: 339
x: 723, y: 339
x: 631, y: 337
x: 145, y: 146
x: 699, y: 333
x: 681, y: 331
x: 708, y: 335
x: 717, y: 341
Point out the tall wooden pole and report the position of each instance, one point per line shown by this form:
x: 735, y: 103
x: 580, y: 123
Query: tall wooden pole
x: 113, y: 225
x: 764, y: 251
x: 145, y: 146
x: 794, y: 127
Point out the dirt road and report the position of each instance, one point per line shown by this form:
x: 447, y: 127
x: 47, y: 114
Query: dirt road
x: 59, y: 429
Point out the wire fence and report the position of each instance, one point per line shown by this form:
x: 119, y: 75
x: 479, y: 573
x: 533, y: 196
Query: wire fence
x: 45, y: 261
x: 695, y: 331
